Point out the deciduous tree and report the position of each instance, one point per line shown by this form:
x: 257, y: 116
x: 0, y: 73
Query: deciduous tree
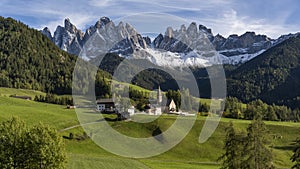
x: 29, y: 148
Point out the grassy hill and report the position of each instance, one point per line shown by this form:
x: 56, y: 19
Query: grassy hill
x: 34, y: 112
x: 188, y: 154
x: 19, y: 92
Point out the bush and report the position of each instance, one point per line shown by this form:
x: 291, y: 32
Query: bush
x: 36, y: 147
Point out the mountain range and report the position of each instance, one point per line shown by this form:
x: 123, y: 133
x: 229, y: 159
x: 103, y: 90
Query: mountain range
x: 32, y: 61
x: 194, y: 45
x: 262, y: 68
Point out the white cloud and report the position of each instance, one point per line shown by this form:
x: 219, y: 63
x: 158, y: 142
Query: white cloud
x: 194, y: 5
x: 230, y: 22
x: 100, y: 3
x: 153, y: 22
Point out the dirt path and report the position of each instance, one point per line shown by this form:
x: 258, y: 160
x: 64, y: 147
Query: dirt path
x: 78, y: 125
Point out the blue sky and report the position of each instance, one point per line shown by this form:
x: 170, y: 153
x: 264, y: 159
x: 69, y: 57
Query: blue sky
x: 270, y: 17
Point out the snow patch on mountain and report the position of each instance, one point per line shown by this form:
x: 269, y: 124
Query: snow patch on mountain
x: 194, y: 45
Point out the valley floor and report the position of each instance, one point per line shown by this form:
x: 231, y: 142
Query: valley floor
x: 189, y: 154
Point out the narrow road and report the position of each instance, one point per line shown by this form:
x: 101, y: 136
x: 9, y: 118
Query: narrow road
x: 78, y: 125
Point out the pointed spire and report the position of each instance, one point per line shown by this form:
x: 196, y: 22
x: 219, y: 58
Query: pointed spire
x: 159, y: 95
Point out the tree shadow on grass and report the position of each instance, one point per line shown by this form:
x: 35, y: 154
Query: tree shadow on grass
x: 157, y: 134
x: 288, y: 147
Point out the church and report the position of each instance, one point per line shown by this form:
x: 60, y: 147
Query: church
x: 158, y: 108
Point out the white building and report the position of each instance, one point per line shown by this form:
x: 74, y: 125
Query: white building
x: 131, y: 111
x: 155, y: 109
x: 172, y: 106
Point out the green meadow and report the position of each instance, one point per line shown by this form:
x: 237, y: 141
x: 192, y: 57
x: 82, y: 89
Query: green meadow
x: 188, y: 154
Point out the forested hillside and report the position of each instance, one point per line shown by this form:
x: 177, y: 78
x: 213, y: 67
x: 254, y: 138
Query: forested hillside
x: 273, y: 76
x: 30, y: 60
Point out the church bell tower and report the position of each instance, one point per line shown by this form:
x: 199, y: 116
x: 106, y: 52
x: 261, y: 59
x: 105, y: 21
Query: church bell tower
x: 159, y: 96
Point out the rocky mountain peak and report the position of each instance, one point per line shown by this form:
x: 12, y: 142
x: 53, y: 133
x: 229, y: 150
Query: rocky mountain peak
x: 130, y: 29
x: 218, y: 36
x: 127, y: 39
x: 184, y: 39
x: 218, y: 41
x: 46, y: 31
x: 157, y: 41
x: 182, y: 29
x: 120, y: 25
x: 207, y: 32
x: 233, y: 36
x: 205, y: 29
x: 234, y: 49
x: 184, y: 42
x: 68, y: 38
x: 169, y: 32
x: 102, y: 22
x: 105, y: 20
x: 192, y: 30
x: 249, y: 34
x: 69, y: 26
x: 248, y: 43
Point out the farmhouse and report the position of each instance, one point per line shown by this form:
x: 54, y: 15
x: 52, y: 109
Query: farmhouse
x: 105, y: 105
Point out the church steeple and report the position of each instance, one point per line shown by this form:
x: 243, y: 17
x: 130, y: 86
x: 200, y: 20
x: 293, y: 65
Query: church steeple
x: 159, y: 95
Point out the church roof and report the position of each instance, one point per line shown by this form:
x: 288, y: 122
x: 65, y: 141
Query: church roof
x: 172, y: 105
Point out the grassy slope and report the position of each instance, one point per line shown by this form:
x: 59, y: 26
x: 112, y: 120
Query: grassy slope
x: 33, y: 112
x: 188, y: 154
x: 19, y: 92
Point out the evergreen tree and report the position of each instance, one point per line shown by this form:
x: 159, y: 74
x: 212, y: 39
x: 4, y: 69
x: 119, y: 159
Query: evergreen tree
x: 232, y: 157
x: 257, y: 154
x: 186, y: 104
x: 296, y: 156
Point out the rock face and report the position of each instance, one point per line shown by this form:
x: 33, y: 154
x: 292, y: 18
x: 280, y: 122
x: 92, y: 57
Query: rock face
x: 208, y: 48
x: 99, y: 24
x: 68, y: 38
x: 46, y: 31
x: 248, y: 43
x: 72, y: 40
x: 184, y: 40
x: 187, y: 46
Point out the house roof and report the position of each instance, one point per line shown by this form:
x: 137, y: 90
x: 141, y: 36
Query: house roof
x: 105, y: 101
x: 22, y: 97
